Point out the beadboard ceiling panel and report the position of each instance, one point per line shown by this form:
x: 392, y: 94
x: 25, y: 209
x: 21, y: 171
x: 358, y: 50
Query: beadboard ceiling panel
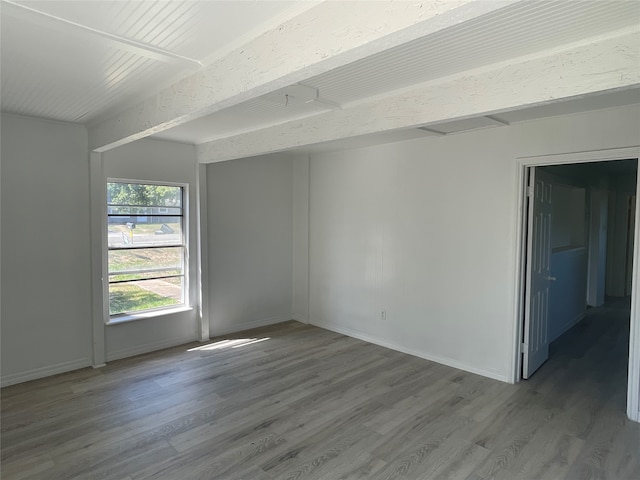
x: 66, y: 79
x: 521, y: 29
x: 195, y: 29
x: 83, y: 61
x: 76, y: 60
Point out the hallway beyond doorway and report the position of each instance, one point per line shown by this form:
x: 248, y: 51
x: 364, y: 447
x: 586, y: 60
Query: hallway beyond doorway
x: 596, y: 348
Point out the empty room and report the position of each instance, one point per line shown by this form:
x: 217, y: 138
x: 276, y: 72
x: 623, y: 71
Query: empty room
x: 320, y: 240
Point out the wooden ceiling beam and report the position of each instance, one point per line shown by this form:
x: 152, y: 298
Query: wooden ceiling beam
x: 326, y: 36
x: 602, y: 64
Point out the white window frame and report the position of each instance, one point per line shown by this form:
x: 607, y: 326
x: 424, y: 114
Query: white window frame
x: 156, y: 312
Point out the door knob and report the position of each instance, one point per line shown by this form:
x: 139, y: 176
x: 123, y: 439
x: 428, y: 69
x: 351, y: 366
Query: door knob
x: 551, y: 279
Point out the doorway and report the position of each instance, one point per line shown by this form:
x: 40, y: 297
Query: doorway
x: 532, y: 323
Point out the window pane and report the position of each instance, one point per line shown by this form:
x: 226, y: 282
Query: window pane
x: 136, y: 210
x: 141, y: 230
x: 144, y: 295
x: 141, y: 216
x: 143, y: 194
x: 144, y: 263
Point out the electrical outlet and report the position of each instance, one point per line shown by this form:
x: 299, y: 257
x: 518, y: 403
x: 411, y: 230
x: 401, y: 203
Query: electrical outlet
x: 383, y: 314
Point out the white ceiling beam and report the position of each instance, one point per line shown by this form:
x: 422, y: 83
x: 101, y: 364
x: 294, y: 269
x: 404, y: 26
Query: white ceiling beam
x: 432, y: 131
x: 602, y: 64
x: 327, y: 36
x: 496, y: 120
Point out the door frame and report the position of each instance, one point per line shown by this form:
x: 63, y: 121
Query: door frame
x: 522, y: 169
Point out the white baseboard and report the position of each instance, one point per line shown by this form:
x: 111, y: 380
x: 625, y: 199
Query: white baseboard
x: 149, y: 347
x: 42, y: 372
x: 241, y: 326
x: 416, y: 353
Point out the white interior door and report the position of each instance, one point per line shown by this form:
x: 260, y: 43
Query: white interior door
x: 536, y: 339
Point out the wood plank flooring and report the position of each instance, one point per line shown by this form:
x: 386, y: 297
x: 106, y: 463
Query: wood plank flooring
x: 298, y: 402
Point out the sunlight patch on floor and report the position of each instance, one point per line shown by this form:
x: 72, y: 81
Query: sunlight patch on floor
x: 236, y: 343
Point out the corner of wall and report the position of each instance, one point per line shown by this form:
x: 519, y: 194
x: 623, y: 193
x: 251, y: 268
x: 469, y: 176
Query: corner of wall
x: 300, y: 317
x: 450, y: 362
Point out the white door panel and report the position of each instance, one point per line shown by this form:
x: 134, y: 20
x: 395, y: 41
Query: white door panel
x: 536, y: 340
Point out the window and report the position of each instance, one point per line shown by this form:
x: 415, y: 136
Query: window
x: 146, y: 247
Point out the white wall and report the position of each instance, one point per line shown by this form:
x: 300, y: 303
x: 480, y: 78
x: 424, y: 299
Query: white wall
x: 568, y: 294
x: 46, y: 298
x: 301, y: 239
x: 562, y: 216
x: 618, y: 263
x: 426, y: 230
x: 568, y: 217
x: 161, y: 161
x: 250, y: 225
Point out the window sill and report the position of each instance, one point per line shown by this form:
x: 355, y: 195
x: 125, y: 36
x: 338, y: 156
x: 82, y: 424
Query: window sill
x: 142, y: 315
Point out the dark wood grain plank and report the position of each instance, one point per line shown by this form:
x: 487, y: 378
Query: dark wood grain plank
x: 308, y: 404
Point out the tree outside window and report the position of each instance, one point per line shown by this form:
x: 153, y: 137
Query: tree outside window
x: 146, y: 247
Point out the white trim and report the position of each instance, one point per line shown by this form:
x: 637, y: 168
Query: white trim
x: 416, y: 353
x: 186, y: 235
x: 202, y: 252
x: 98, y: 209
x: 159, y: 312
x: 586, y: 156
x: 515, y: 371
x: 145, y: 182
x: 43, y: 372
x: 301, y: 214
x: 239, y: 327
x: 633, y: 388
x: 149, y: 347
x: 307, y: 316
